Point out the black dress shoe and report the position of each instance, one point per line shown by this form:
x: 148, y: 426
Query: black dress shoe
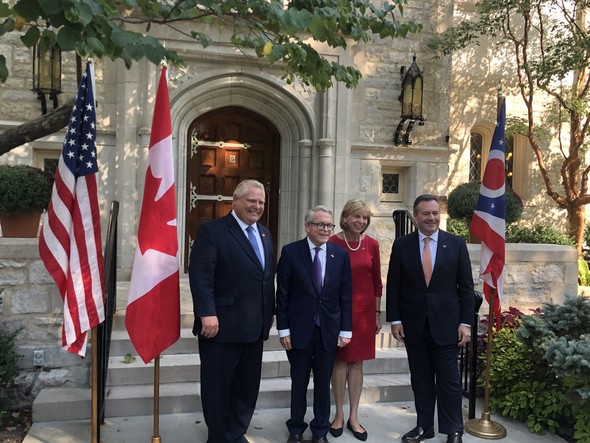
x: 336, y: 432
x: 455, y: 437
x: 320, y: 439
x: 418, y: 434
x: 362, y: 436
x: 295, y: 438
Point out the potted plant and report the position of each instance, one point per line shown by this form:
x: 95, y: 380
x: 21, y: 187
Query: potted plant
x: 462, y: 200
x: 25, y: 192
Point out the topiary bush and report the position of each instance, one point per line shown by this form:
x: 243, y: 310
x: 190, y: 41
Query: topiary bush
x: 462, y: 200
x: 458, y: 227
x: 23, y: 188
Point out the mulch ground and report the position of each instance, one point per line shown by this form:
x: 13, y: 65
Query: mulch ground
x: 15, y: 425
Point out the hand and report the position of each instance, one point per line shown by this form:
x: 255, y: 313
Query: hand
x: 286, y: 342
x: 209, y: 326
x: 464, y: 335
x: 343, y: 341
x: 378, y: 324
x: 397, y: 331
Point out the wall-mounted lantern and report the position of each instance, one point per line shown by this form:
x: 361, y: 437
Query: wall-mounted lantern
x: 411, y: 99
x: 47, y: 74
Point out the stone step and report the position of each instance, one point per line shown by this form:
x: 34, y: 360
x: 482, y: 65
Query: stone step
x: 188, y: 344
x: 175, y: 368
x: 58, y: 404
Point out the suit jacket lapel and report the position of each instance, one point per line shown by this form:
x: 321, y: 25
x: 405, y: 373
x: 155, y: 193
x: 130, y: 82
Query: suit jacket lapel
x: 236, y: 231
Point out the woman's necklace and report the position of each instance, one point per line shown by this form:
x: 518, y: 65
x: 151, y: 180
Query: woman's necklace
x: 348, y: 245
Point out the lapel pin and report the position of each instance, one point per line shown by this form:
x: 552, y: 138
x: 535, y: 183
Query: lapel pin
x: 332, y: 255
x: 444, y: 246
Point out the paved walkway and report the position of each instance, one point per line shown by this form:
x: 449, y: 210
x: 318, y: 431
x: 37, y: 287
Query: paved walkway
x: 385, y: 422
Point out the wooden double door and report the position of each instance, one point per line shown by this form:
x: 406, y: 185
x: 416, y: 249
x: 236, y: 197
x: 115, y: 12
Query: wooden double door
x: 226, y: 146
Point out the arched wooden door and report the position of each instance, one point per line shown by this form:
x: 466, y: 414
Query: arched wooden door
x: 226, y: 146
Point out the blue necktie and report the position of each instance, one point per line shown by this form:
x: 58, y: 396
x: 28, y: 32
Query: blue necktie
x: 252, y: 238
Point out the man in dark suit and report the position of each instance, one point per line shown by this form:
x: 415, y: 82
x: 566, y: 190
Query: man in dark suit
x: 231, y: 275
x: 430, y: 304
x: 314, y: 317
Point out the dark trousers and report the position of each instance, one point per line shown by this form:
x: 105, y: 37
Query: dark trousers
x: 313, y: 357
x: 435, y: 378
x: 230, y: 381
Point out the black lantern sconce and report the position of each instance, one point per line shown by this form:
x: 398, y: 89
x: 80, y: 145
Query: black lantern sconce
x: 411, y: 99
x: 47, y: 74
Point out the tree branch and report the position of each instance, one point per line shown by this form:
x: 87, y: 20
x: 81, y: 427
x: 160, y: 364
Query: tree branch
x: 35, y: 129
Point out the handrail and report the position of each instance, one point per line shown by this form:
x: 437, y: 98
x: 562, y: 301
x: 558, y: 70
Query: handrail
x: 404, y: 222
x: 468, y: 361
x: 106, y: 327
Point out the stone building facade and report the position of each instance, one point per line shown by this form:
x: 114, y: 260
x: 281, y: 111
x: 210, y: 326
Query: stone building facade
x: 307, y: 147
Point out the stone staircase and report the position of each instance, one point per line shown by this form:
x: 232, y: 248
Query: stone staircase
x: 130, y: 388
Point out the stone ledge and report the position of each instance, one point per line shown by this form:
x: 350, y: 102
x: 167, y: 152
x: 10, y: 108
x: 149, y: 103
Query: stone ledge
x: 19, y: 248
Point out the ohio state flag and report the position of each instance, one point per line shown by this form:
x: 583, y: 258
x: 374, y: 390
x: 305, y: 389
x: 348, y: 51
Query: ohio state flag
x: 489, y: 219
x: 153, y: 307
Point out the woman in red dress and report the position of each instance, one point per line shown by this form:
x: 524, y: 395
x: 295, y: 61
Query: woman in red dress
x: 366, y: 309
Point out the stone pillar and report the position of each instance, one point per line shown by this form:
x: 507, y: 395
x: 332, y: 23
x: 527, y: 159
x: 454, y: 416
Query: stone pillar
x: 326, y: 172
x: 304, y: 203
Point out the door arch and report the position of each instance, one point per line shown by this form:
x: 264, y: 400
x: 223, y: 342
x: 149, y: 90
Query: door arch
x: 226, y: 146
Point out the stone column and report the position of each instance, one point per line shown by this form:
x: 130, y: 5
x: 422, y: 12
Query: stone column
x: 326, y: 172
x: 304, y: 203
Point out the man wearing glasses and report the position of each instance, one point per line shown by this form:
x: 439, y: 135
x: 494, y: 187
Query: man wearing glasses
x: 314, y: 318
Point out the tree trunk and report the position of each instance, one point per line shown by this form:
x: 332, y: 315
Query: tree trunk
x: 35, y: 129
x: 577, y: 220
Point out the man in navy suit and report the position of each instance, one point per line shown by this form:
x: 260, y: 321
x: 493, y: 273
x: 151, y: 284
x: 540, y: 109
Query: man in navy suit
x: 430, y: 304
x: 231, y: 275
x: 314, y: 318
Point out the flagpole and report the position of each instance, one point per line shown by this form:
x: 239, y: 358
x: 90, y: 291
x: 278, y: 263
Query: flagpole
x: 94, y: 383
x: 484, y: 427
x: 156, y: 435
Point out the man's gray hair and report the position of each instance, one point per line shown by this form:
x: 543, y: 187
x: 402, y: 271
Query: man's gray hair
x: 310, y: 216
x: 244, y: 185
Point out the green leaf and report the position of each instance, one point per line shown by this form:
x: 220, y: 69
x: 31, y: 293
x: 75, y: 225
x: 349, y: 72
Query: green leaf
x: 5, y: 10
x: 50, y: 7
x: 31, y: 37
x: 96, y: 46
x: 7, y: 26
x: 85, y: 13
x: 29, y: 9
x: 3, y: 69
x: 67, y: 37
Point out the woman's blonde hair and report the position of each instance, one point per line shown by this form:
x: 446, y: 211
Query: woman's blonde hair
x: 352, y: 207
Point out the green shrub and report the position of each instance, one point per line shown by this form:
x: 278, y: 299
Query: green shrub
x: 537, y: 234
x: 462, y: 200
x: 8, y: 366
x: 23, y: 188
x: 458, y: 227
x: 562, y: 336
x: 522, y: 386
x: 583, y: 272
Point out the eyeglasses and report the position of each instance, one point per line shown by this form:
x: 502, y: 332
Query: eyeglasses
x: 320, y: 225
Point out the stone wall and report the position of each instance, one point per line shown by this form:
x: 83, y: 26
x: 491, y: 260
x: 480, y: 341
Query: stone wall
x: 30, y: 302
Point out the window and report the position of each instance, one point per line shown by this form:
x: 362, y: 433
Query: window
x: 393, y: 185
x: 46, y: 159
x: 475, y: 157
x: 518, y: 160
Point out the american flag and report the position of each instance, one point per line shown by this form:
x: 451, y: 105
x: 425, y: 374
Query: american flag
x: 70, y: 241
x: 153, y: 307
x: 489, y: 219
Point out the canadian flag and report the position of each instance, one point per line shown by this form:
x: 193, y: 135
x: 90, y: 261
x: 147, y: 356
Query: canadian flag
x: 153, y: 307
